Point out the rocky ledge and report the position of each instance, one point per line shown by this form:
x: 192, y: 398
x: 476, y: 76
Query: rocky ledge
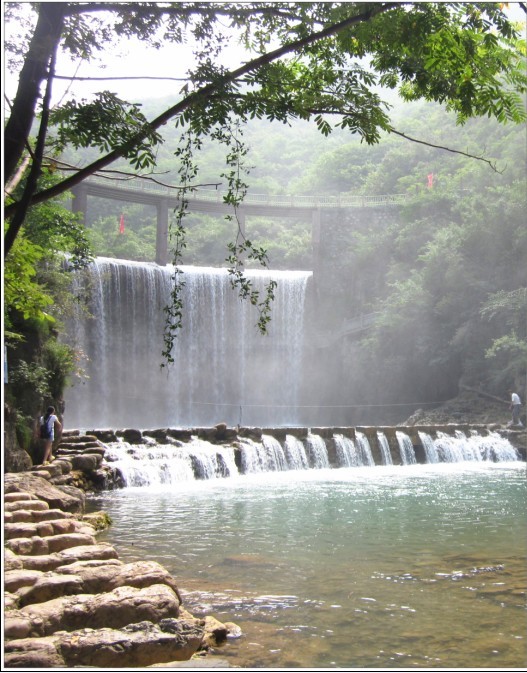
x: 70, y: 601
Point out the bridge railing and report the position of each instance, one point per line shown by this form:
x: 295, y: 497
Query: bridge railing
x: 284, y: 200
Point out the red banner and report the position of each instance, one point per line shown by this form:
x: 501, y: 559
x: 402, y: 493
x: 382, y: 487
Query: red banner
x: 121, y: 224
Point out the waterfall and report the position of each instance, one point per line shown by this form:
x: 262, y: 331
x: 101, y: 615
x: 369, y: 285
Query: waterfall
x: 153, y: 464
x: 364, y: 449
x: 274, y: 452
x: 295, y: 454
x: 406, y: 448
x: 474, y: 448
x: 346, y: 451
x: 431, y: 453
x: 384, y: 446
x: 224, y: 369
x: 318, y: 453
x: 353, y: 453
x: 156, y: 465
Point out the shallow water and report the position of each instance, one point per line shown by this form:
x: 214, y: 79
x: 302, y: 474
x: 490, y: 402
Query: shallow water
x: 419, y: 566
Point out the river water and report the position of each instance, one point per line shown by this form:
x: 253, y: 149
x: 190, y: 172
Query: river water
x: 415, y: 566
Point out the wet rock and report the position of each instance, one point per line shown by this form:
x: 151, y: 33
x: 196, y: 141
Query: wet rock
x: 36, y: 546
x: 114, y: 609
x: 45, y: 562
x: 86, y: 462
x: 131, y: 436
x: 100, y: 577
x: 137, y: 645
x: 66, y: 498
x: 105, y: 436
x: 215, y: 632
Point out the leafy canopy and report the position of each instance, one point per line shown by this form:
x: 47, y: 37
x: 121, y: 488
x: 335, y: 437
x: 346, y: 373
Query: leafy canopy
x: 321, y: 61
x: 327, y: 66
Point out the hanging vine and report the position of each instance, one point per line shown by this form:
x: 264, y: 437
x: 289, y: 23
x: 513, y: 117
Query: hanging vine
x: 187, y: 170
x: 241, y: 250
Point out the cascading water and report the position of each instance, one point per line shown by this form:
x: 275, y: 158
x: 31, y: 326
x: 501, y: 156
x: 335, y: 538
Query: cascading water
x: 224, y: 369
x: 152, y: 464
x: 474, y: 448
x: 317, y: 451
x: 406, y: 448
x: 346, y: 451
x: 295, y: 453
x: 431, y: 453
x: 384, y: 447
x: 364, y: 449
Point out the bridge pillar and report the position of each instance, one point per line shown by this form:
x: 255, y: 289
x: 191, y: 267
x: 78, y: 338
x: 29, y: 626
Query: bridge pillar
x: 162, y: 232
x: 315, y: 239
x: 80, y: 200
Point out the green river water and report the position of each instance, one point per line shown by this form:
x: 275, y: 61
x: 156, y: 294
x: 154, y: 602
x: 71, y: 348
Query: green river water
x: 419, y: 566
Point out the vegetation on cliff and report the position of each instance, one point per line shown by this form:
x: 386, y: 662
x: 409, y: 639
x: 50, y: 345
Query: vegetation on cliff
x: 321, y: 62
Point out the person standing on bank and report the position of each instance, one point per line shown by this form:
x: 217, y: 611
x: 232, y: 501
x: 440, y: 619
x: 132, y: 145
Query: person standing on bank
x: 49, y: 424
x: 515, y: 408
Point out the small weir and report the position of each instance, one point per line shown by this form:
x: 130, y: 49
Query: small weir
x: 164, y: 457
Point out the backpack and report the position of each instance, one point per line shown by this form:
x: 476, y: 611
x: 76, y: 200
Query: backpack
x: 45, y: 430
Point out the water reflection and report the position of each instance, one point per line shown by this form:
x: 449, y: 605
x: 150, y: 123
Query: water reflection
x: 417, y: 566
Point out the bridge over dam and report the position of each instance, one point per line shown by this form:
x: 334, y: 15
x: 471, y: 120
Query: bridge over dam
x: 318, y: 210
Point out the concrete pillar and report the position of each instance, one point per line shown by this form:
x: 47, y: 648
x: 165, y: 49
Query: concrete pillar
x: 80, y: 200
x: 315, y: 240
x: 162, y: 233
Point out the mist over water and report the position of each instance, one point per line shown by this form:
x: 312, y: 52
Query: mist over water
x: 224, y: 369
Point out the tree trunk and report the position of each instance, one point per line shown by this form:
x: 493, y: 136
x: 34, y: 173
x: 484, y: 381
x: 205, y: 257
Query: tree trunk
x: 45, y: 41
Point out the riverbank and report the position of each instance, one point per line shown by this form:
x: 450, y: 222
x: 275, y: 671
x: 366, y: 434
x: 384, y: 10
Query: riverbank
x: 69, y: 601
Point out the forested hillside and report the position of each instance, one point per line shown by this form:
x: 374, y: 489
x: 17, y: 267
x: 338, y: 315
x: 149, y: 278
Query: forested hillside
x: 448, y: 282
x: 446, y: 279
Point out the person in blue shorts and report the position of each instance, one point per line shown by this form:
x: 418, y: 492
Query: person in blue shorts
x: 49, y: 424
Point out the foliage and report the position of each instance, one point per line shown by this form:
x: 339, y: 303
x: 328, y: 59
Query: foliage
x: 21, y: 293
x: 466, y: 57
x: 323, y: 63
x: 37, y: 298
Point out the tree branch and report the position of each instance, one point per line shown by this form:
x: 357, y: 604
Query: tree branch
x: 76, y: 78
x: 35, y: 70
x: 447, y: 149
x: 202, y: 95
x: 36, y: 166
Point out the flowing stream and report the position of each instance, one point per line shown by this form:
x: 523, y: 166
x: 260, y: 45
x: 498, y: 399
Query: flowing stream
x: 408, y: 566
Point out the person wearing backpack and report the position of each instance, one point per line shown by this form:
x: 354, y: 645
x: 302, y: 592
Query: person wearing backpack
x: 49, y: 423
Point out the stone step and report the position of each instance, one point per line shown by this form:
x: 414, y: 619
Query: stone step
x: 74, y: 449
x: 34, y: 516
x: 76, y: 439
x: 46, y: 528
x: 137, y: 646
x: 19, y: 495
x: 31, y: 586
x: 38, y: 546
x: 114, y: 609
x: 29, y: 505
x: 47, y: 562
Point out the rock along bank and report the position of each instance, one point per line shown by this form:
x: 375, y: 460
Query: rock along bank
x: 69, y: 601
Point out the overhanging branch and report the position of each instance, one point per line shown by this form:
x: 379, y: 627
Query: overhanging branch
x: 446, y: 149
x: 202, y: 94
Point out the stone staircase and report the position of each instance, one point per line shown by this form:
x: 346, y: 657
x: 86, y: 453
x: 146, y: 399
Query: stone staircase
x: 79, y: 461
x: 69, y: 601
